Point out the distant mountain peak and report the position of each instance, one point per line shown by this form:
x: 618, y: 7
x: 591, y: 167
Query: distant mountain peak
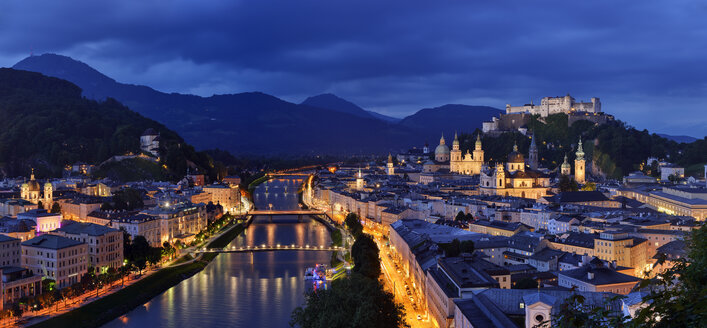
x: 60, y: 65
x: 333, y: 102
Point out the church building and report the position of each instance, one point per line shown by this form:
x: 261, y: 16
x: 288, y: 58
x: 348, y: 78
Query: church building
x: 31, y: 192
x: 469, y: 164
x: 513, y: 179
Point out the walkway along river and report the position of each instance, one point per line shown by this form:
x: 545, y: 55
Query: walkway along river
x: 258, y: 289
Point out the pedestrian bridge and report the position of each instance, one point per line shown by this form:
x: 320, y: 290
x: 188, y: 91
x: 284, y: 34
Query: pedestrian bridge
x: 285, y: 212
x: 269, y: 248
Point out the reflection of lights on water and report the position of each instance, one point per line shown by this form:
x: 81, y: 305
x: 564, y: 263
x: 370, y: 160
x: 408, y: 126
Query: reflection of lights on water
x: 124, y: 320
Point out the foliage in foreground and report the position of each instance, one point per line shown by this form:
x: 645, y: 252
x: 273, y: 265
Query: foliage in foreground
x: 356, y: 301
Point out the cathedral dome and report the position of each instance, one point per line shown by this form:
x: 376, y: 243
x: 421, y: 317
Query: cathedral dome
x: 515, y: 156
x: 442, y: 150
x: 33, y: 185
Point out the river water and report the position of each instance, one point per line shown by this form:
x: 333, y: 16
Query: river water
x: 244, y: 289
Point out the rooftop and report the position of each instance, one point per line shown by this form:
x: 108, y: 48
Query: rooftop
x: 51, y: 242
x: 91, y: 229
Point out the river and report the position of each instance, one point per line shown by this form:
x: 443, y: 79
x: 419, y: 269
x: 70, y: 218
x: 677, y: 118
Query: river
x: 244, y: 289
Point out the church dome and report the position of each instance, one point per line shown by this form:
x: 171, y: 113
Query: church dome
x: 33, y: 185
x: 442, y: 150
x: 515, y: 156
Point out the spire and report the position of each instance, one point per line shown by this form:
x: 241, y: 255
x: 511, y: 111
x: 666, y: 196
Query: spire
x: 456, y: 139
x: 359, y: 173
x: 580, y: 152
x: 478, y: 142
x: 31, y: 177
x: 532, y: 142
x: 390, y: 158
x: 441, y: 140
x: 515, y: 146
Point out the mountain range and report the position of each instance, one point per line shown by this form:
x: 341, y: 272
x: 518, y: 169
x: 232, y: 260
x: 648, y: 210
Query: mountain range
x: 258, y: 123
x: 47, y: 124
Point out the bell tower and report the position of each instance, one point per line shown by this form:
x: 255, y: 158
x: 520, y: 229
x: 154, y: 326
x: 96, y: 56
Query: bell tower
x: 389, y: 166
x: 478, y: 152
x: 579, y: 164
x: 533, y: 155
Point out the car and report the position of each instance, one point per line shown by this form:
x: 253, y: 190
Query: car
x: 419, y: 317
x: 409, y: 293
x: 412, y: 300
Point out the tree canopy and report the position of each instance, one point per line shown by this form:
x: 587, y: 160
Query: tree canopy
x: 356, y: 301
x: 365, y: 254
x: 353, y: 224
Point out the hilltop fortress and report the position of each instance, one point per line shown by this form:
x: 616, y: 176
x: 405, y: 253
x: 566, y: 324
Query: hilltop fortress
x: 517, y: 117
x: 556, y: 105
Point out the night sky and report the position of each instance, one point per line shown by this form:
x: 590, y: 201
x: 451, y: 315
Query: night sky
x: 646, y: 60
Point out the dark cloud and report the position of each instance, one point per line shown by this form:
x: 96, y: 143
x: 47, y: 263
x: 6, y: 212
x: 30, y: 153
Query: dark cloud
x: 644, y: 59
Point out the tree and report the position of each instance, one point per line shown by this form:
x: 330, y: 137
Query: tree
x: 154, y: 255
x: 56, y: 208
x: 127, y: 199
x: 466, y: 246
x: 168, y: 250
x: 573, y: 313
x: 526, y: 283
x: 460, y: 216
x: 453, y: 249
x: 589, y: 186
x: 567, y: 184
x: 16, y: 310
x: 139, y: 248
x: 141, y: 264
x: 336, y: 237
x: 365, y: 256
x: 355, y: 301
x: 353, y: 224
x: 106, y: 206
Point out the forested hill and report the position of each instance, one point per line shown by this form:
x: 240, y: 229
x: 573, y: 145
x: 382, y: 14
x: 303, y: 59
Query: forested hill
x: 615, y: 148
x: 47, y: 124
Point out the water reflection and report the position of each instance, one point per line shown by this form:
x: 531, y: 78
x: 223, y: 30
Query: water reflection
x: 244, y: 289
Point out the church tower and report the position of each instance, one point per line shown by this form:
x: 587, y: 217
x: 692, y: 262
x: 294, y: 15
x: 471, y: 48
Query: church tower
x: 533, y: 155
x: 565, y: 169
x: 48, y: 194
x: 455, y: 155
x: 389, y: 166
x: 500, y: 176
x: 478, y: 152
x: 579, y: 164
x: 359, y: 180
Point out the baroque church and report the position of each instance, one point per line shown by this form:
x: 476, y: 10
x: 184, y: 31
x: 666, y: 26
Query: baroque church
x: 470, y: 164
x: 31, y: 192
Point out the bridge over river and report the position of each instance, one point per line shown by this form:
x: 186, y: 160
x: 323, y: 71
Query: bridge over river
x: 269, y: 248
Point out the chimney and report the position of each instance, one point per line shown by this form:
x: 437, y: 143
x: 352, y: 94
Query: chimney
x: 590, y: 275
